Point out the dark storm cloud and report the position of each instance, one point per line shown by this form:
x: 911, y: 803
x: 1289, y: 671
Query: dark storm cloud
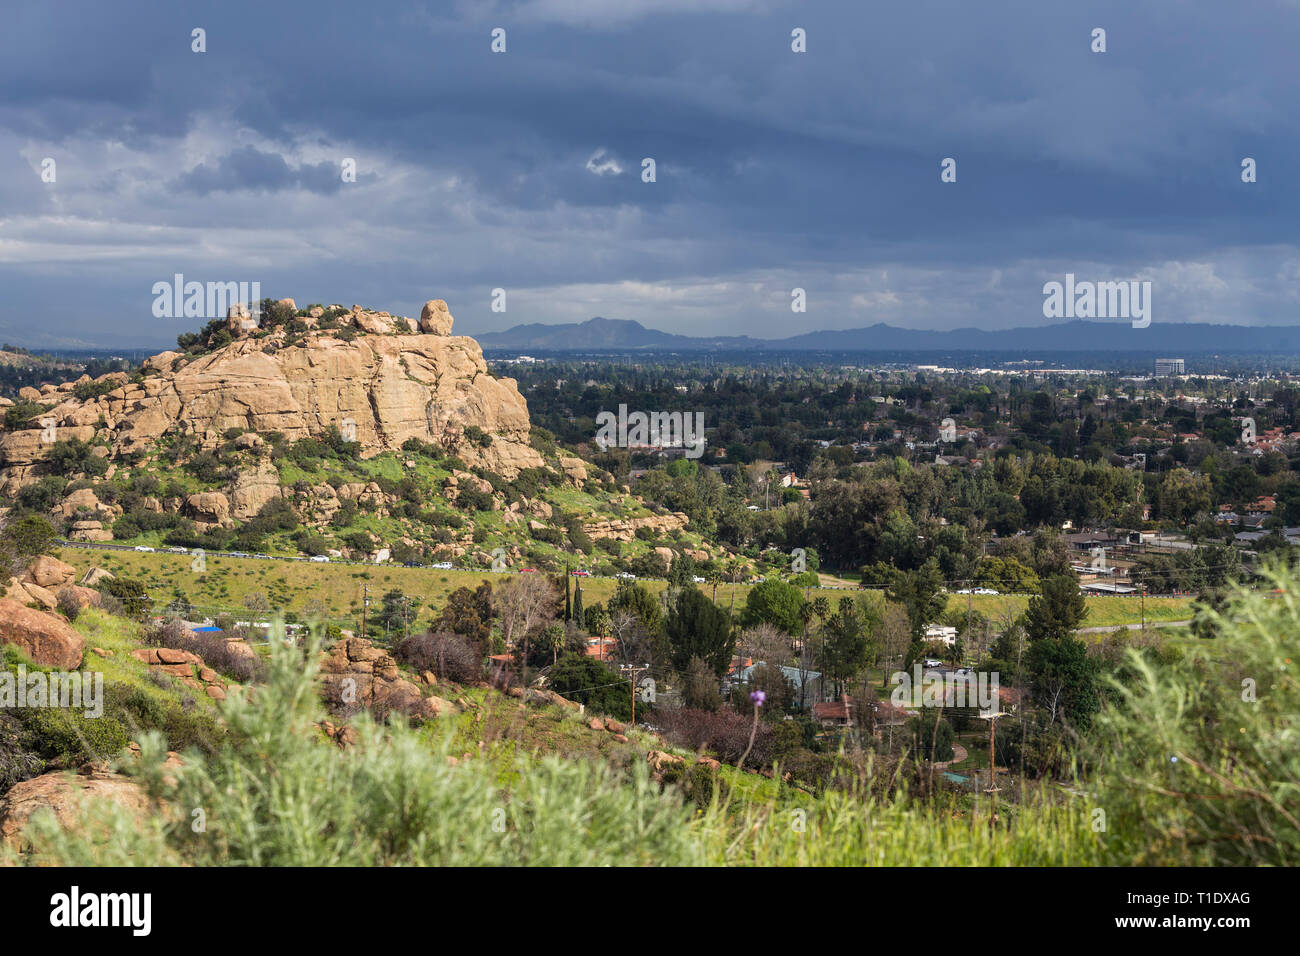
x: 252, y: 169
x: 775, y: 169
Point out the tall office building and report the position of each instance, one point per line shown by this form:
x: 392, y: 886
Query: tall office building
x: 1167, y: 367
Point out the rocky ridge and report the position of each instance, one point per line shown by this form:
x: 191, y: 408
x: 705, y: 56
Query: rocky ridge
x: 380, y: 378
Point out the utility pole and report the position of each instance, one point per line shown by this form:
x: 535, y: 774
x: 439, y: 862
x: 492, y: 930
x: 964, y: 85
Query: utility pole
x: 1142, y: 600
x: 993, y: 789
x: 365, y: 603
x: 631, y: 669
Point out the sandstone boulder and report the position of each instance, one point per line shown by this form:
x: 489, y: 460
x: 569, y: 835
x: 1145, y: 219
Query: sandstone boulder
x: 95, y: 576
x: 39, y: 595
x: 435, y: 319
x: 46, y: 639
x: 50, y: 572
x: 67, y: 796
x: 79, y: 596
x: 253, y: 489
x: 211, y: 507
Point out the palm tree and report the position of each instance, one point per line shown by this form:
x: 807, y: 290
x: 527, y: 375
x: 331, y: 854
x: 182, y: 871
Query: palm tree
x: 822, y: 609
x: 735, y: 570
x: 806, y: 614
x: 714, y: 578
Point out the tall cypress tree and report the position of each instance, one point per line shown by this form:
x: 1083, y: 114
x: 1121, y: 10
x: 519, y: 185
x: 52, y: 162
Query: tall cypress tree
x: 577, y: 604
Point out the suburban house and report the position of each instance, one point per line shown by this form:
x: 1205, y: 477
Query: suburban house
x: 834, y: 713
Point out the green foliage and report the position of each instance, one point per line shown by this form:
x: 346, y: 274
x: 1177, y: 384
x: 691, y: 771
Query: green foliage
x: 585, y: 680
x: 774, y: 602
x: 131, y: 593
x: 1058, y: 611
x: 919, y: 593
x: 21, y: 414
x: 27, y: 537
x: 89, y: 391
x: 696, y: 627
x: 71, y: 455
x: 1064, y: 680
x: 1197, y: 763
x: 632, y: 597
x: 390, y: 799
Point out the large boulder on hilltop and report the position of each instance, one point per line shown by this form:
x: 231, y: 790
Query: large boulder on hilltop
x: 435, y: 319
x: 46, y: 639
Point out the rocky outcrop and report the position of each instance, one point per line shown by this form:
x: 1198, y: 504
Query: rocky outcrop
x: 385, y: 386
x: 624, y: 529
x: 575, y: 469
x: 357, y: 675
x: 253, y: 489
x: 186, y: 666
x: 46, y: 639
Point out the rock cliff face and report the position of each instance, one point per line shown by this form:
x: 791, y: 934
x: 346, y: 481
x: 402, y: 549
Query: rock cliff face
x: 375, y: 377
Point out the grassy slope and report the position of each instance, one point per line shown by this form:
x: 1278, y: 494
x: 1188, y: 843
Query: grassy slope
x: 289, y: 585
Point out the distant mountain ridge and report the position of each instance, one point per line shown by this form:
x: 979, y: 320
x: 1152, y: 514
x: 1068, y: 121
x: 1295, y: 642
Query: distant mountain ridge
x: 599, y: 334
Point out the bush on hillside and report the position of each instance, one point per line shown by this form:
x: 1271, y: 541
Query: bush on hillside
x: 450, y: 656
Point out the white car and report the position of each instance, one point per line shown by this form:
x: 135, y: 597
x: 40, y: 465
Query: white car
x: 442, y: 565
x: 985, y: 591
x: 178, y: 550
x: 697, y: 579
x: 931, y: 662
x: 626, y: 576
x: 143, y: 547
x: 321, y: 558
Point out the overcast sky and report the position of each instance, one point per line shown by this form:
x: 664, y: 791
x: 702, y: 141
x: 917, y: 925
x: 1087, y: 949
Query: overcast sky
x: 522, y: 170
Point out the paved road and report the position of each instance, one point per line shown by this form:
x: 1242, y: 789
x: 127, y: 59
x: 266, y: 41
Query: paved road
x: 1130, y: 627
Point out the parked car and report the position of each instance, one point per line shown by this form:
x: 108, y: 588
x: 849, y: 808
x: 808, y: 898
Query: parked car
x: 626, y: 575
x: 932, y: 662
x: 985, y: 591
x: 323, y: 558
x: 143, y: 547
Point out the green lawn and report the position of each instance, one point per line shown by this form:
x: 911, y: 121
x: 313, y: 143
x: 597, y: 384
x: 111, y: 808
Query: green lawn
x: 290, y: 585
